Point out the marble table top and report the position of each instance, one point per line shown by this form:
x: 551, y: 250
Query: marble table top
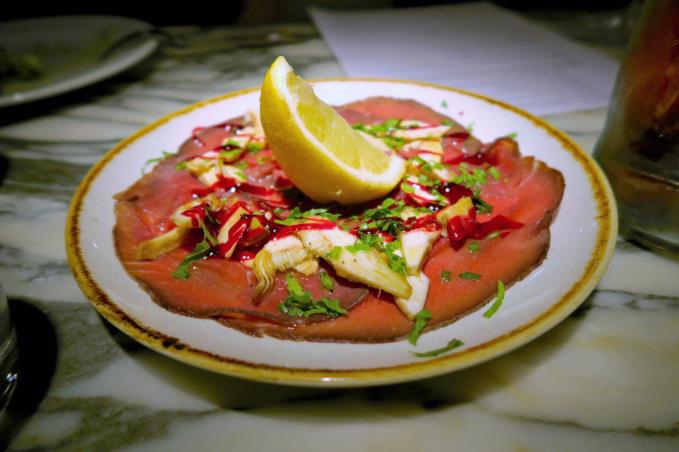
x: 604, y: 379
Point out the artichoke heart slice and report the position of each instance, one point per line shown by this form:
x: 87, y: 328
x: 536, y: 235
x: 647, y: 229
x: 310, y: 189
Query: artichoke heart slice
x: 277, y: 255
x: 460, y: 208
x: 416, y: 245
x: 162, y: 244
x: 369, y: 267
x: 412, y: 305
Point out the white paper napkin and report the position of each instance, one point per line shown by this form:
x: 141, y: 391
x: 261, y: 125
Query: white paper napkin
x: 474, y: 46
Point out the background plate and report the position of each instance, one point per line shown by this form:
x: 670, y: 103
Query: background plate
x: 583, y: 238
x: 70, y: 50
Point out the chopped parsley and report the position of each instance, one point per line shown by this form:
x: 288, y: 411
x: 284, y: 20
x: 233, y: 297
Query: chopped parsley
x: 321, y: 212
x: 394, y: 142
x: 512, y: 135
x: 421, y: 319
x: 407, y: 188
x: 389, y: 208
x: 430, y: 166
x: 469, y: 275
x: 473, y: 247
x: 379, y: 130
x: 498, y: 300
x: 200, y: 251
x: 444, y: 104
x: 297, y: 215
x: 390, y: 123
x: 447, y: 122
x: 382, y: 131
x: 207, y: 235
x: 231, y: 155
x: 232, y: 142
x: 155, y: 160
x: 326, y: 281
x: 181, y: 166
x: 472, y: 179
x: 494, y: 172
x: 391, y: 249
x: 254, y: 148
x: 358, y: 246
x: 446, y: 276
x: 395, y: 261
x: 334, y: 253
x: 470, y: 127
x: 299, y: 303
x: 425, y: 180
x: 385, y: 217
x: 426, y: 165
x: 454, y: 343
x: 481, y: 205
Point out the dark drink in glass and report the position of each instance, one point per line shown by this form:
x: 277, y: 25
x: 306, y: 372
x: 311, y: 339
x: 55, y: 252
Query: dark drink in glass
x: 639, y: 147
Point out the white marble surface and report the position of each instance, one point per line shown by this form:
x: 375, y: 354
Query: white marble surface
x: 604, y: 379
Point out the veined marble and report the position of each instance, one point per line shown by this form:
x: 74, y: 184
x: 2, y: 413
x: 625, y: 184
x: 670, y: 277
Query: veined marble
x: 604, y: 379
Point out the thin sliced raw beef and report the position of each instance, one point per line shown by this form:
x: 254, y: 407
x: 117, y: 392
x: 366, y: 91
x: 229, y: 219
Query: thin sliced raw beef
x: 528, y: 192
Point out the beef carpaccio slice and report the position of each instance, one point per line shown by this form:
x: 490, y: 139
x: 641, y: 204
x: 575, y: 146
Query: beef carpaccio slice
x: 529, y: 192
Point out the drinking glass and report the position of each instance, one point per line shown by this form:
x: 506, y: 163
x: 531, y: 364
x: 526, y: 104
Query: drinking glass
x: 639, y: 147
x: 8, y: 353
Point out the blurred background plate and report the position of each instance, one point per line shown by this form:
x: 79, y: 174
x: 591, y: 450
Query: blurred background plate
x: 72, y: 51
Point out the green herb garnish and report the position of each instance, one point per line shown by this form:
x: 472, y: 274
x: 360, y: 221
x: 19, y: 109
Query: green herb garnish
x: 395, y: 261
x: 493, y: 171
x: 450, y: 346
x: 512, y: 135
x: 152, y: 161
x: 394, y: 142
x: 493, y: 235
x: 407, y: 188
x: 321, y: 212
x: 232, y: 142
x: 472, y: 179
x: 378, y: 130
x: 481, y: 205
x: 200, y: 251
x: 498, y: 300
x: 473, y: 247
x: 207, y: 235
x: 231, y: 155
x: 299, y: 303
x: 447, y: 122
x: 469, y: 275
x: 446, y: 276
x: 326, y: 281
x: 297, y: 215
x: 255, y: 148
x: 385, y: 217
x: 334, y: 253
x: 421, y: 319
x: 181, y: 166
x: 444, y: 104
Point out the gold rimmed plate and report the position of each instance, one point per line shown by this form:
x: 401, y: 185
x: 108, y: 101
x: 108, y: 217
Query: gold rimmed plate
x: 583, y: 238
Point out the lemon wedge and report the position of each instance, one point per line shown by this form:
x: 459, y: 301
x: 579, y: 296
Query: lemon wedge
x: 319, y: 151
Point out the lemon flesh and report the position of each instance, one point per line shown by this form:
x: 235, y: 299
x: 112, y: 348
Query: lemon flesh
x: 318, y: 150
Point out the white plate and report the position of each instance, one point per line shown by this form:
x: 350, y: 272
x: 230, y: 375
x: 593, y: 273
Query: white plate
x: 583, y: 237
x: 69, y: 48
